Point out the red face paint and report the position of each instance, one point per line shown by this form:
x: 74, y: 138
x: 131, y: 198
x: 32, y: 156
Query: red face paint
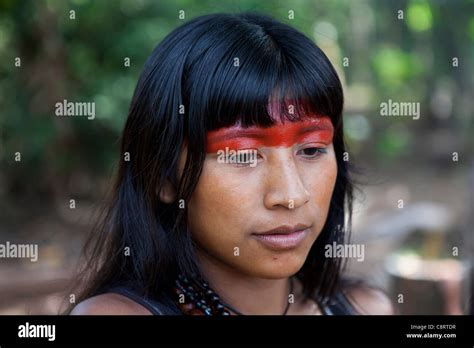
x: 312, y: 130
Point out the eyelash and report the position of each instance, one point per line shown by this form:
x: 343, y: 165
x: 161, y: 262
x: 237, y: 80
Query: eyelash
x: 244, y: 164
x: 319, y: 151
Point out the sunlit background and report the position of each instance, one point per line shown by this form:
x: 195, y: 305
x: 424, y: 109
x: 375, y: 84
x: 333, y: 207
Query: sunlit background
x: 414, y: 207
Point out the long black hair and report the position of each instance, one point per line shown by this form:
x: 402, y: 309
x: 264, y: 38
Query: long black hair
x: 209, y: 73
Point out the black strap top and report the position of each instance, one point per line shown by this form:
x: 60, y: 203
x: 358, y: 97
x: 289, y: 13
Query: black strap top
x: 338, y: 305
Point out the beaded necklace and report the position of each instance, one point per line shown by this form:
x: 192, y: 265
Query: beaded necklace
x: 197, y: 298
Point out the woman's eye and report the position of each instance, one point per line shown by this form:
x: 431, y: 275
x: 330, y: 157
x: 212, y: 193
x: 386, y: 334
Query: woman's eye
x: 313, y: 152
x: 239, y: 158
x: 246, y: 159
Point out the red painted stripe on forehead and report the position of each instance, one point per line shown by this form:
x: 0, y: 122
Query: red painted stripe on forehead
x: 286, y: 134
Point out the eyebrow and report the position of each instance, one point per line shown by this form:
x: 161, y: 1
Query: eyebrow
x: 320, y: 126
x: 237, y: 133
x: 257, y: 133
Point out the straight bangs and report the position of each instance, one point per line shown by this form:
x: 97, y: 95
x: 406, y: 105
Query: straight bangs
x: 255, y: 77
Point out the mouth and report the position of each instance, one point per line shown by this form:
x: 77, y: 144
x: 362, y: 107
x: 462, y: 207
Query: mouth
x: 283, y: 237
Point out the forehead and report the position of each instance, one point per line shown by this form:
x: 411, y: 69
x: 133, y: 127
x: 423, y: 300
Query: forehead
x: 315, y: 123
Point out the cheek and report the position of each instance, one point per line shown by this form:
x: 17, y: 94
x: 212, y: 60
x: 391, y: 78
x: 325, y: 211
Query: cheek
x: 218, y: 207
x: 321, y: 183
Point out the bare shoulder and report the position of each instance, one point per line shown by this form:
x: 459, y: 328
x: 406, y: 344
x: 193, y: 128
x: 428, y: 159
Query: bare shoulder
x: 109, y: 304
x: 370, y: 301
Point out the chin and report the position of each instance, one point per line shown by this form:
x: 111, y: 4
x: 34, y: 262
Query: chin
x: 281, y: 266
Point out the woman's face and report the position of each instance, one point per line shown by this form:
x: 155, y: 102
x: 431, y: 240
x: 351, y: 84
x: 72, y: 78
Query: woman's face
x: 284, y: 177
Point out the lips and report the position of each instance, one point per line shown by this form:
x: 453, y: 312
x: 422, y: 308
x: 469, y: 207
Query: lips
x: 283, y: 237
x: 284, y: 230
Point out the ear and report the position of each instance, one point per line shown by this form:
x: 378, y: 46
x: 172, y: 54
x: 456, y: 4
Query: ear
x: 167, y: 193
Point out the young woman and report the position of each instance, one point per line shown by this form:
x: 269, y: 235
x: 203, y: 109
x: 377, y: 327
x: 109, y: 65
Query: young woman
x: 231, y: 181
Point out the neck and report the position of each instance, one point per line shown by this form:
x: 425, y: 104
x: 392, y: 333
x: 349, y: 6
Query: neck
x: 247, y: 294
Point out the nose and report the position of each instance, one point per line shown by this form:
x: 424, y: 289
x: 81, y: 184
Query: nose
x: 285, y: 187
